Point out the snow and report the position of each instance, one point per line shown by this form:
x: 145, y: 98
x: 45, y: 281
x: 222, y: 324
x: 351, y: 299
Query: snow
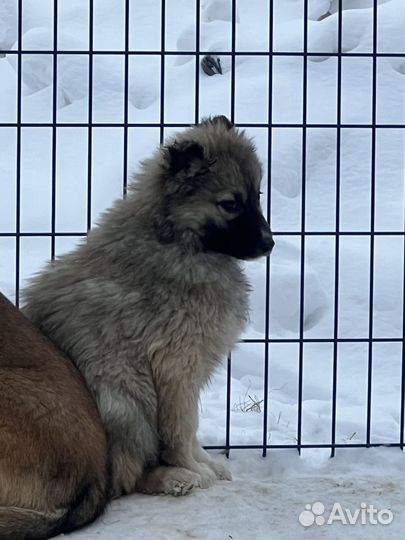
x: 268, y: 491
x: 264, y: 500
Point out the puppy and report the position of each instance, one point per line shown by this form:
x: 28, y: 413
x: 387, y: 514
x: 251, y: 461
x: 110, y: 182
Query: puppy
x: 149, y: 305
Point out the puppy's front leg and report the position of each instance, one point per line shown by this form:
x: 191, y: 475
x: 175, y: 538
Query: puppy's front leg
x: 178, y: 420
x: 221, y: 471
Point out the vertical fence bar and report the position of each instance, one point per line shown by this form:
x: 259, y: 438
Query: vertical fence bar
x: 267, y: 282
x: 197, y: 61
x: 402, y: 400
x: 54, y: 128
x: 229, y: 361
x: 18, y: 152
x: 126, y: 101
x: 337, y: 228
x: 372, y: 225
x: 162, y: 69
x: 228, y: 406
x: 233, y: 60
x: 90, y: 114
x: 303, y: 211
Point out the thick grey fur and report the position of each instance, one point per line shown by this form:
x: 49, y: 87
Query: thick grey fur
x: 146, y: 312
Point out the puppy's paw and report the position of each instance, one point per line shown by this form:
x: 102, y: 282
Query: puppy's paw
x: 126, y: 469
x: 174, y: 481
x: 221, y: 471
x: 181, y: 482
x: 208, y: 476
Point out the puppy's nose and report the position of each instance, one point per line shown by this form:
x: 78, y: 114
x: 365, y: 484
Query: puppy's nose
x: 267, y: 243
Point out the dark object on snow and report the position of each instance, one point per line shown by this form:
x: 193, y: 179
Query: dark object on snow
x: 211, y: 65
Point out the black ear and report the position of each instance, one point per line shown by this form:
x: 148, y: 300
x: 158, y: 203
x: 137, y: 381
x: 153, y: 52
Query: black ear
x: 218, y: 120
x: 182, y: 155
x: 221, y: 119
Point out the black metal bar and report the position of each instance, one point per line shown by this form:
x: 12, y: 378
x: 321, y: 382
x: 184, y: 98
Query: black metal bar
x: 90, y: 115
x: 278, y: 233
x: 54, y: 128
x: 402, y: 401
x: 197, y: 62
x: 40, y: 234
x: 203, y: 52
x: 267, y: 278
x: 340, y: 233
x: 229, y: 362
x: 325, y: 340
x: 402, y: 398
x: 303, y: 211
x: 228, y: 405
x: 183, y: 125
x: 372, y: 226
x: 302, y: 446
x: 233, y: 63
x: 18, y: 156
x: 162, y: 70
x: 126, y: 102
x: 337, y: 227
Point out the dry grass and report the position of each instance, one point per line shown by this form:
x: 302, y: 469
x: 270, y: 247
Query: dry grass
x: 248, y: 403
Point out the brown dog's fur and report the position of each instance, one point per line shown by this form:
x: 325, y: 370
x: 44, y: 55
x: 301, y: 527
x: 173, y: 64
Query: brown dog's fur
x: 52, y: 442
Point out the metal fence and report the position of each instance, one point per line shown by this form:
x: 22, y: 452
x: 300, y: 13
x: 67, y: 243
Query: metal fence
x: 233, y: 54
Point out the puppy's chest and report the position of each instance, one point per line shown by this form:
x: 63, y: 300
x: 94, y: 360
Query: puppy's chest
x: 188, y: 327
x: 218, y: 316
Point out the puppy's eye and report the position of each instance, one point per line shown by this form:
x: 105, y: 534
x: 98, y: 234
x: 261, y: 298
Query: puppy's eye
x: 229, y: 206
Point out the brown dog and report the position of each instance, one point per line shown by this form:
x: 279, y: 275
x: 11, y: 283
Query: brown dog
x: 52, y: 442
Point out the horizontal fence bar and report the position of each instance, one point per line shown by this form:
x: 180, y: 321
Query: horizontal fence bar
x: 203, y: 53
x: 184, y: 125
x: 286, y: 233
x: 324, y: 340
x: 340, y: 233
x: 296, y: 446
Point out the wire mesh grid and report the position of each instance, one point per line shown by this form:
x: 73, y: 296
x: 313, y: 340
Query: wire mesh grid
x: 303, y: 234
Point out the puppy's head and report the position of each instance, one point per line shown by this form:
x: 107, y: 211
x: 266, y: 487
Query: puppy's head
x: 210, y: 188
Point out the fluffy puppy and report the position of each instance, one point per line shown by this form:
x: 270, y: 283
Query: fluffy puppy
x: 149, y: 305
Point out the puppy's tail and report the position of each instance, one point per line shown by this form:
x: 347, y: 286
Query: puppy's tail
x: 18, y: 523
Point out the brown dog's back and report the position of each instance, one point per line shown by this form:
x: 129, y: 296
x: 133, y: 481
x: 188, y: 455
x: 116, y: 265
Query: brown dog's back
x: 52, y: 442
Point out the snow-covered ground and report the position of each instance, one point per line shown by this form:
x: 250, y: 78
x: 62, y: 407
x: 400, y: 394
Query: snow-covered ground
x: 266, y: 499
x: 268, y: 491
